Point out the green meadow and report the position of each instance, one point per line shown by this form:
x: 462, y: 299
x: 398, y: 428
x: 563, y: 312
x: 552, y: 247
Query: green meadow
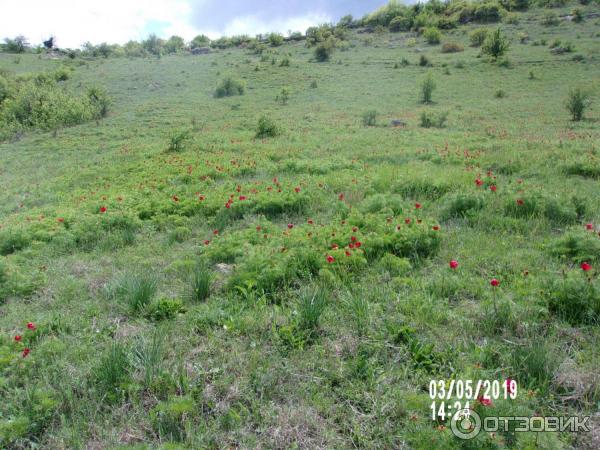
x: 193, y: 280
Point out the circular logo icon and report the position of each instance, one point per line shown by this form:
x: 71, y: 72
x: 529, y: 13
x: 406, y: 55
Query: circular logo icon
x: 465, y: 424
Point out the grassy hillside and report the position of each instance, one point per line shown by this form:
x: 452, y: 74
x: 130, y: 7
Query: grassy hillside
x: 295, y: 291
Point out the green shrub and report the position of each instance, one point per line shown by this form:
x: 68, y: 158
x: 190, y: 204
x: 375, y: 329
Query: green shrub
x: 495, y: 44
x: 462, y: 205
x: 429, y: 119
x: 267, y: 128
x: 477, y: 37
x: 284, y: 96
x: 400, y: 23
x: 427, y: 88
x: 369, y: 118
x: 574, y: 299
x: 432, y: 35
x: 169, y: 418
x: 424, y: 61
x: 13, y: 241
x: 200, y: 283
x: 577, y: 102
x: 275, y: 39
x: 230, y: 87
x: 577, y: 247
x: 178, y: 140
x: 111, y: 376
x: 452, y: 47
x: 164, y: 309
x: 136, y: 290
x: 324, y: 50
x: 550, y: 18
x: 99, y: 100
x: 500, y: 93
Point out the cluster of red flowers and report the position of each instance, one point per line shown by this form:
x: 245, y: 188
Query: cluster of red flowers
x: 19, y: 338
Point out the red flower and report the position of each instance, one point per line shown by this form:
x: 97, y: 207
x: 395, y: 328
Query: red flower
x: 201, y: 198
x: 351, y: 245
x: 26, y: 352
x: 103, y: 209
x: 407, y: 220
x: 290, y: 225
x: 589, y: 226
x: 215, y: 232
x: 206, y: 242
x: 493, y: 188
x: 494, y: 282
x: 175, y: 198
x: 17, y: 338
x: 354, y: 229
x: 357, y: 244
x: 330, y: 259
x: 417, y: 205
x: 435, y: 228
x: 453, y: 264
x: 258, y: 228
x: 520, y: 201
x: 586, y: 266
x: 310, y: 221
x: 334, y: 247
x: 353, y: 238
x: 242, y: 197
x: 31, y: 326
x: 60, y: 220
x: 341, y: 197
x: 348, y: 253
x: 478, y: 182
x: 484, y: 401
x: 297, y: 189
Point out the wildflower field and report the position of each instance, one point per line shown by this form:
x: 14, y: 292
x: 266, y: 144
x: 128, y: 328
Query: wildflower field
x: 240, y: 250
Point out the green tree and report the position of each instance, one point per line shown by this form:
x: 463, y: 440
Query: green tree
x: 495, y: 44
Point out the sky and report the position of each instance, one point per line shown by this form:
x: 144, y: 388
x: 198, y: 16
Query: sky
x: 74, y: 22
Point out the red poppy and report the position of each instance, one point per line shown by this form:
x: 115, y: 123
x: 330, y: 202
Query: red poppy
x: 26, y: 352
x: 348, y: 253
x: 31, y: 326
x: 358, y: 244
x: 215, y: 232
x: 242, y: 197
x: 351, y: 245
x: 435, y: 228
x: 353, y: 238
x: 520, y: 201
x: 17, y: 338
x: 206, y: 242
x: 297, y: 189
x: 493, y: 188
x: 330, y: 259
x: 453, y: 264
x: 484, y: 401
x: 201, y: 198
x: 175, y: 198
x: 589, y: 226
x: 478, y: 182
x: 334, y: 247
x: 258, y: 228
x: 417, y: 205
x: 103, y: 209
x: 290, y: 225
x: 341, y: 197
x: 60, y: 220
x: 310, y: 221
x: 407, y: 220
x: 586, y: 266
x: 354, y: 229
x: 494, y: 282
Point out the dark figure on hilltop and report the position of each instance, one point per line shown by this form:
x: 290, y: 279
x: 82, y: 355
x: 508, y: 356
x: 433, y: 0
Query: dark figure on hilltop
x: 49, y: 43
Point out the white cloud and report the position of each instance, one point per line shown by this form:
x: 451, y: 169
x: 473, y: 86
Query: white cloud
x: 74, y: 22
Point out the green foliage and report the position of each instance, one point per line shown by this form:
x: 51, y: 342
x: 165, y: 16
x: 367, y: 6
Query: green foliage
x: 427, y: 88
x: 550, y: 19
x: 463, y: 205
x: 577, y: 247
x: 369, y: 118
x: 275, y: 39
x: 134, y: 289
x: 432, y: 35
x: 164, y: 309
x: 200, y: 41
x: 200, y: 283
x: 169, y: 418
x: 17, y: 45
x: 284, y: 96
x: 495, y: 44
x: 424, y: 61
x: 324, y: 50
x: 230, y: 87
x: 429, y: 119
x: 267, y: 128
x: 178, y: 140
x: 478, y: 36
x: 111, y: 376
x: 174, y: 44
x: 574, y: 299
x: 577, y: 102
x: 13, y: 241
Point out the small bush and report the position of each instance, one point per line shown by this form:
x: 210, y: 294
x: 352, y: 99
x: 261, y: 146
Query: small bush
x: 369, y: 118
x: 577, y: 14
x: 424, y: 61
x: 178, y: 140
x: 284, y: 96
x: 13, y: 241
x: 432, y: 35
x: 429, y: 119
x: 427, y: 88
x: 200, y: 283
x: 462, y: 205
x: 477, y: 37
x: 275, y: 39
x: 452, y: 47
x: 136, y: 290
x: 100, y: 100
x: 550, y: 19
x: 577, y: 247
x: 500, y: 93
x: 324, y: 50
x: 574, y: 299
x: 112, y: 373
x: 267, y: 128
x: 164, y: 309
x: 495, y: 44
x: 577, y: 102
x: 230, y: 87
